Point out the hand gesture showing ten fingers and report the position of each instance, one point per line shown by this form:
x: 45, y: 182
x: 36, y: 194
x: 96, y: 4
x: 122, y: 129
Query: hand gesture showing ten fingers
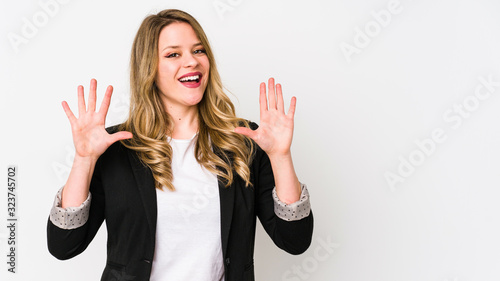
x: 89, y: 134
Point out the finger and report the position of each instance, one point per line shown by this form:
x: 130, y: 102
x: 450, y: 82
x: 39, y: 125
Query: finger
x: 81, y: 102
x: 246, y: 132
x: 291, y: 110
x: 271, y: 94
x: 262, y: 99
x: 103, y: 110
x: 123, y: 135
x: 92, y: 95
x: 279, y: 97
x: 68, y: 112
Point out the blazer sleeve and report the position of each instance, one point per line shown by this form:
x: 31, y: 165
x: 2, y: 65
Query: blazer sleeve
x: 292, y: 236
x: 67, y: 243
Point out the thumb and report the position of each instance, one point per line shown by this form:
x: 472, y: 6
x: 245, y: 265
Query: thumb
x: 123, y: 135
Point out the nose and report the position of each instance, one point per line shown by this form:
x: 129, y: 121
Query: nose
x: 190, y: 60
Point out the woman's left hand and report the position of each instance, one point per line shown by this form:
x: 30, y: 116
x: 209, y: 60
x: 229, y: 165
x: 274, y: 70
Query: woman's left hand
x: 275, y: 131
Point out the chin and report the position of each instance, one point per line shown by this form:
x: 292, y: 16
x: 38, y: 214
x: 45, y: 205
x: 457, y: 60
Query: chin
x: 195, y: 99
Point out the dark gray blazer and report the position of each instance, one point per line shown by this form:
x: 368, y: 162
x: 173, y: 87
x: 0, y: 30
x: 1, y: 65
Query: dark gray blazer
x: 123, y: 194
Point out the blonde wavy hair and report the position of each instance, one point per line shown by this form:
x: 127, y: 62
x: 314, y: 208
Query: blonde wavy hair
x: 218, y: 148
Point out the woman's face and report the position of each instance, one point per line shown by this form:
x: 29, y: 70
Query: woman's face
x: 183, y: 67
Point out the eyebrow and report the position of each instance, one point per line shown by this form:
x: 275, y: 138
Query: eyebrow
x: 176, y: 47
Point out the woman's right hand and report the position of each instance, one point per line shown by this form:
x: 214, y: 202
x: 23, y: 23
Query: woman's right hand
x: 89, y: 134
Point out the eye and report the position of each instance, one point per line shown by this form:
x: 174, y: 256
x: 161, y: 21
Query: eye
x: 200, y: 51
x: 172, y: 55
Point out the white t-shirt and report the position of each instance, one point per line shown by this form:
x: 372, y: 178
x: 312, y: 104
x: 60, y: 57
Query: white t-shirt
x: 188, y: 238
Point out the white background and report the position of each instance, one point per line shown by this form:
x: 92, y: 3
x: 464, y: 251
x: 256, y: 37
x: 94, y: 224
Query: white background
x: 357, y: 117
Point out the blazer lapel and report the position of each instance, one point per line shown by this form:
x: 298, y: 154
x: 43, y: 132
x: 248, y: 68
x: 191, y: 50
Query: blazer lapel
x: 145, y: 183
x: 226, y: 195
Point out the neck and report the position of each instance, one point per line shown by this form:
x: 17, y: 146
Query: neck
x: 185, y: 122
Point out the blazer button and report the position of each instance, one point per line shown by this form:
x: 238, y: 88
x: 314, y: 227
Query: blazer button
x: 147, y: 261
x: 228, y: 261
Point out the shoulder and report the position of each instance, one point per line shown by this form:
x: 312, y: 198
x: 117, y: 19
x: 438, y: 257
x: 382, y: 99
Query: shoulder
x: 258, y: 153
x: 253, y: 125
x: 113, y: 129
x: 117, y: 148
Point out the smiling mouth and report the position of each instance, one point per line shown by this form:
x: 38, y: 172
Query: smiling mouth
x: 191, y: 79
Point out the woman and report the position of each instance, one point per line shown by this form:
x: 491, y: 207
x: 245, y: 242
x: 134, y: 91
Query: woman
x: 181, y: 182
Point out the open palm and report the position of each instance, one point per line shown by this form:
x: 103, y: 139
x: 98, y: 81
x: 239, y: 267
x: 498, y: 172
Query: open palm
x: 89, y: 134
x: 275, y: 131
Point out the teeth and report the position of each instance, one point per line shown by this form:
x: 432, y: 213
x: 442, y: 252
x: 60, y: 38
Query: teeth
x: 190, y: 78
